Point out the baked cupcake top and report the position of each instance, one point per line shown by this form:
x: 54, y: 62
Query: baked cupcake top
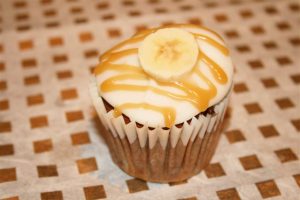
x: 165, y: 76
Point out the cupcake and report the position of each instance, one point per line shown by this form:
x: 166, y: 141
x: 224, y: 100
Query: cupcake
x: 161, y: 96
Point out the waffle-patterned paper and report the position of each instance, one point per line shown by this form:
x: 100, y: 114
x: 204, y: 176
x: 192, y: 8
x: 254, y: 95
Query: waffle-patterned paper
x: 50, y: 142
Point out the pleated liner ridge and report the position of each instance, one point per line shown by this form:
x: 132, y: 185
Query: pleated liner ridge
x: 156, y: 154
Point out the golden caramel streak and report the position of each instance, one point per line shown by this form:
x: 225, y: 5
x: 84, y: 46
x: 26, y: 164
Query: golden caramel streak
x: 191, y: 93
x: 128, y: 41
x: 216, y: 70
x: 205, y: 28
x: 203, y: 95
x: 117, y: 67
x: 119, y: 54
x: 214, y: 43
x: 213, y: 89
x: 201, y: 27
x: 179, y: 85
x: 168, y: 112
x: 111, y: 84
x: 144, y: 33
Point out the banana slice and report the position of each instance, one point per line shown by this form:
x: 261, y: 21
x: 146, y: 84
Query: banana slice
x: 168, y: 53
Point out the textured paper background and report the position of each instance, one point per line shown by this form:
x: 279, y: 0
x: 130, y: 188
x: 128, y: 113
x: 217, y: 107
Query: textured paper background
x: 50, y: 147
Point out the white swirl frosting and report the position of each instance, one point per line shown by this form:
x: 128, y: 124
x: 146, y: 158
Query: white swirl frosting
x: 210, y: 45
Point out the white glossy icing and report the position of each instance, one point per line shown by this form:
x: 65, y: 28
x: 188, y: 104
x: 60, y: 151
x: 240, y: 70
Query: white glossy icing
x: 184, y: 110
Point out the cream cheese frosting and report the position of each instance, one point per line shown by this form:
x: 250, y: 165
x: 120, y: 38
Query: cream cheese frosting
x: 130, y: 90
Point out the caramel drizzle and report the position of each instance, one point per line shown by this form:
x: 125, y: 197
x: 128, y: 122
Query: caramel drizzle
x: 128, y: 41
x: 215, y: 69
x: 117, y: 55
x: 168, y: 112
x: 197, y: 96
x: 111, y: 84
x: 211, y: 41
x: 117, y: 67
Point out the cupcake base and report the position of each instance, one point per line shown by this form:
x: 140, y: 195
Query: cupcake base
x: 163, y: 165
